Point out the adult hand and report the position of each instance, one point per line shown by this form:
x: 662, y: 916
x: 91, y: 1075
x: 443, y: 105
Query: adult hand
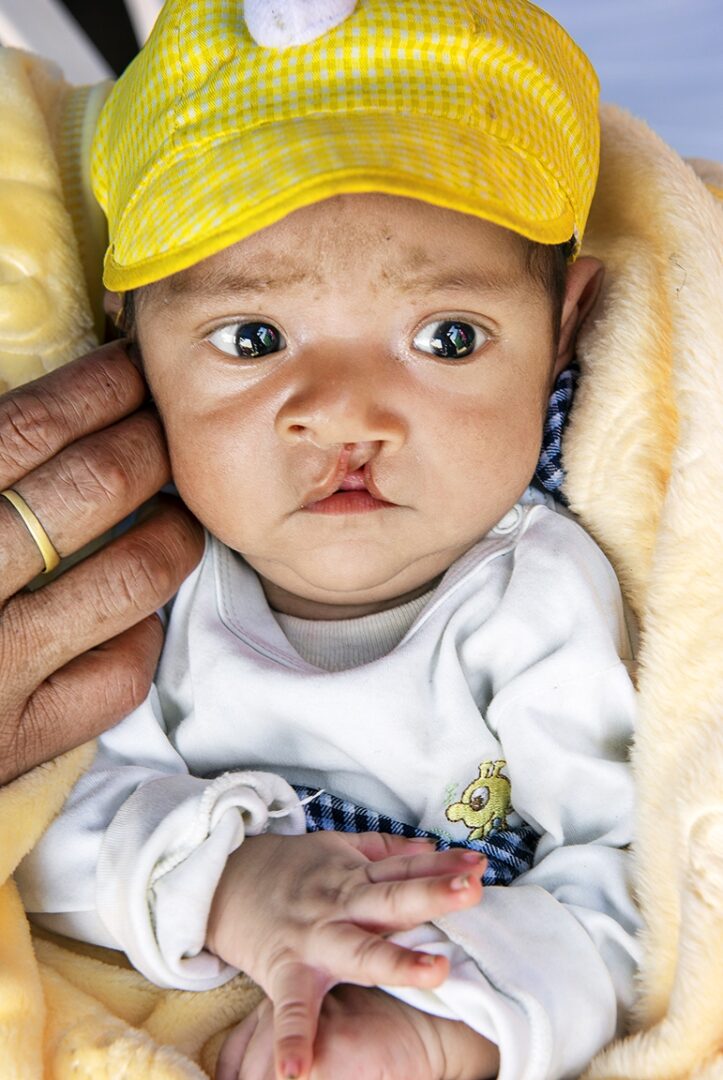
x: 78, y: 654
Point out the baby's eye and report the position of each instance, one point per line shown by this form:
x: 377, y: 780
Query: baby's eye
x: 248, y: 340
x: 452, y: 339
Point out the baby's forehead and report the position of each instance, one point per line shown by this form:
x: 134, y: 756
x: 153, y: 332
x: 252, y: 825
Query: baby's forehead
x: 397, y: 242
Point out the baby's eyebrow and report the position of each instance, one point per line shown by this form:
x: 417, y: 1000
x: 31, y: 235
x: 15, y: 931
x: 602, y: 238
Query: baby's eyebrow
x: 462, y: 279
x: 209, y: 281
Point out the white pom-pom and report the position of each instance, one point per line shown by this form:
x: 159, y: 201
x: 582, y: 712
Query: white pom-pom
x: 277, y: 24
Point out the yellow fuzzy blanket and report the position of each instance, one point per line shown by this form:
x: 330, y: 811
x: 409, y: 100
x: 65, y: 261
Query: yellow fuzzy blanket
x: 644, y: 455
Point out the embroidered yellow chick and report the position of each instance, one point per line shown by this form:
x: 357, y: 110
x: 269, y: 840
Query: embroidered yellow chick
x: 485, y: 804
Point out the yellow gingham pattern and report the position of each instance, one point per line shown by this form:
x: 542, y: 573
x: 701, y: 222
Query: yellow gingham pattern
x: 485, y: 108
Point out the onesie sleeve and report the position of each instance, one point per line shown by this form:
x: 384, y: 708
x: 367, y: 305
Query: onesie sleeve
x: 133, y: 861
x: 544, y: 967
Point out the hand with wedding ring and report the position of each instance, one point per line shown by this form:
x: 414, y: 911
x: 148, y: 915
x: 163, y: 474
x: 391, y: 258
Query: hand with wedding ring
x: 78, y: 453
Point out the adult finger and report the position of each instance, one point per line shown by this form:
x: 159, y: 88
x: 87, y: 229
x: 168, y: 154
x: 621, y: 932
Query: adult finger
x: 47, y: 707
x: 297, y: 992
x: 84, y: 698
x: 84, y: 490
x: 107, y: 593
x: 42, y: 417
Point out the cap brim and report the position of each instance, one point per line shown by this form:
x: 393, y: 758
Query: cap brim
x: 236, y: 183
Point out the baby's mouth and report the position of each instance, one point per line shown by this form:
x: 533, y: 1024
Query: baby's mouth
x: 354, y: 482
x: 355, y: 493
x: 349, y: 482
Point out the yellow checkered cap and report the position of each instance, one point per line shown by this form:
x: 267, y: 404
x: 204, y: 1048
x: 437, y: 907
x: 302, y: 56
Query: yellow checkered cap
x: 485, y: 108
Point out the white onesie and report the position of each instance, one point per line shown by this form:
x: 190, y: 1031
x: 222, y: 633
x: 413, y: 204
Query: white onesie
x: 510, y: 679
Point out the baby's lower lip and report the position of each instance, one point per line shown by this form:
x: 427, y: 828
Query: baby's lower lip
x: 347, y: 502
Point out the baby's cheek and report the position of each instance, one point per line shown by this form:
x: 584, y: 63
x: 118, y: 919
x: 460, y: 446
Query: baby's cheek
x: 230, y: 499
x: 491, y: 458
x: 203, y: 481
x: 497, y: 442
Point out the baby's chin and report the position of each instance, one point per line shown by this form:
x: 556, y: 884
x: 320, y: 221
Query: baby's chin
x: 347, y: 593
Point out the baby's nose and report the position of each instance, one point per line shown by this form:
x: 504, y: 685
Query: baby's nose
x: 342, y: 408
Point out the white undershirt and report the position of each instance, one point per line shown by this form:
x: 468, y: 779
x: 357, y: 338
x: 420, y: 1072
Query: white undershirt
x: 341, y: 644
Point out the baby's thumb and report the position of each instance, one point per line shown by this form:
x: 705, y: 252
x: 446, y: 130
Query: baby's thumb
x: 297, y: 993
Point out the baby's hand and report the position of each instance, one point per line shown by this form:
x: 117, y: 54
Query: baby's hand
x: 302, y: 913
x: 364, y: 1035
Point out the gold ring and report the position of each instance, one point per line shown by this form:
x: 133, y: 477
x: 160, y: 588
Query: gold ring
x: 36, y: 530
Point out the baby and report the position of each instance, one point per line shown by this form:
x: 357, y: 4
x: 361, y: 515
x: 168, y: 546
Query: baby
x: 345, y: 266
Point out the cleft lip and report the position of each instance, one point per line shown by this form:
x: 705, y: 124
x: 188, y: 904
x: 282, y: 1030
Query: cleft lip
x: 342, y: 479
x: 372, y: 487
x: 359, y: 480
x: 355, y: 481
x: 362, y: 480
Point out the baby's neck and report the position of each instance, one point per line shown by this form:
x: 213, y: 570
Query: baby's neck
x: 300, y: 607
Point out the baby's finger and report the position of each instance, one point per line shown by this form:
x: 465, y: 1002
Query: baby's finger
x: 297, y: 992
x: 377, y: 846
x: 425, y: 864
x: 357, y: 956
x: 401, y: 905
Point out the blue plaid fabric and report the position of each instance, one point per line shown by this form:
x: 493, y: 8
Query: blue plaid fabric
x: 549, y: 473
x: 509, y: 851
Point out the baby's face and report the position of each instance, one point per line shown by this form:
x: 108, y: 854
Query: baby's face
x: 354, y: 396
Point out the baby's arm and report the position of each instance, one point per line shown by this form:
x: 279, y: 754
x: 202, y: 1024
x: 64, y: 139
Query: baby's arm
x: 134, y: 861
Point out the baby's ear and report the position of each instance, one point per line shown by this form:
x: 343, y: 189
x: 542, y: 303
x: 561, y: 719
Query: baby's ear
x: 582, y: 287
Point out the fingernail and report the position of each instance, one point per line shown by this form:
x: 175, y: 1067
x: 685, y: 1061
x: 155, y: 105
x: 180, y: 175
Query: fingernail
x: 459, y: 883
x: 425, y: 959
x: 472, y: 857
x: 292, y: 1069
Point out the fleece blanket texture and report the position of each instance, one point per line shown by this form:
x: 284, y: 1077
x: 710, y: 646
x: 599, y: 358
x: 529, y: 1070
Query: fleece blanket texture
x: 644, y: 459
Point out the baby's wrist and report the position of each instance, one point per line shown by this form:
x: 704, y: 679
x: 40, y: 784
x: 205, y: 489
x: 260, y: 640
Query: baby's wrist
x: 217, y: 918
x: 226, y: 922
